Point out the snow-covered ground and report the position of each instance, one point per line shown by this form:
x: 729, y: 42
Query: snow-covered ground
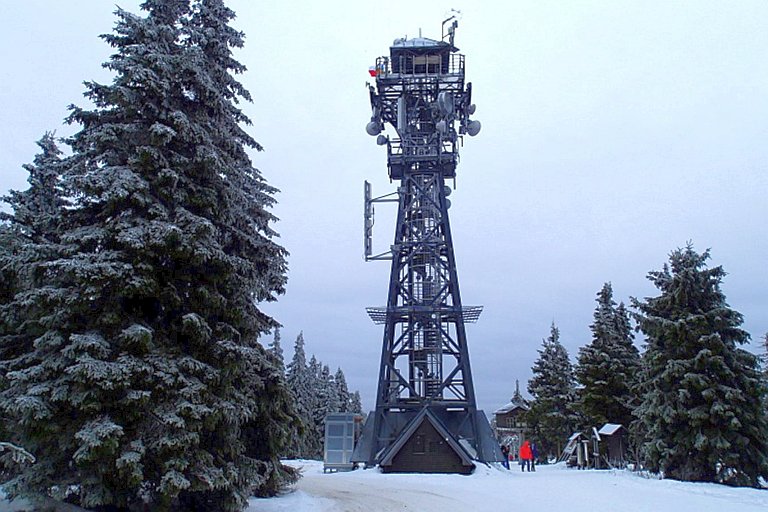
x: 554, y: 488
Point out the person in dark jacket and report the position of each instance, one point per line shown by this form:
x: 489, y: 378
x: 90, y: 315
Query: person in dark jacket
x: 534, y: 456
x: 505, y: 454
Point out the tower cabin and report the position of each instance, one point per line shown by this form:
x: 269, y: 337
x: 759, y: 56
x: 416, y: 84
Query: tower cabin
x: 420, y: 84
x: 421, y: 56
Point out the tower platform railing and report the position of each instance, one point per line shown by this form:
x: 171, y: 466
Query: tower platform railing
x: 420, y: 65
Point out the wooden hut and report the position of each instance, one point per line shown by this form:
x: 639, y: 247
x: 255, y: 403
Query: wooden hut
x: 613, y: 445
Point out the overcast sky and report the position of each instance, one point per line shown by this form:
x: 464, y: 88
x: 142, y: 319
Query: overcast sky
x: 613, y: 133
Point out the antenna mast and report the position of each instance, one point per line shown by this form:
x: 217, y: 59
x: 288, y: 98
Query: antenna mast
x: 425, y: 402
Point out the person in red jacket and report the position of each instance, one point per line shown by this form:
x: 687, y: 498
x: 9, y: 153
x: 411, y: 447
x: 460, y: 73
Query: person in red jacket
x: 526, y: 455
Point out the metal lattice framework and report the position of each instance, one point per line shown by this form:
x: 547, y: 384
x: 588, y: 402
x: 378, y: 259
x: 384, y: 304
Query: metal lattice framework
x: 420, y: 91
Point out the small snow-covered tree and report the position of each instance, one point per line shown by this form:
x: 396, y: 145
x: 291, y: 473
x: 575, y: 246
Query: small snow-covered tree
x: 342, y: 391
x: 276, y: 351
x: 552, y: 387
x: 702, y: 395
x: 607, y: 367
x: 296, y: 372
x: 355, y: 403
x: 329, y: 392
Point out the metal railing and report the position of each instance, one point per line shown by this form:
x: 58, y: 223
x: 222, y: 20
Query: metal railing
x: 437, y: 64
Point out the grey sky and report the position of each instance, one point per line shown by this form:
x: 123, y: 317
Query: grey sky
x: 613, y: 132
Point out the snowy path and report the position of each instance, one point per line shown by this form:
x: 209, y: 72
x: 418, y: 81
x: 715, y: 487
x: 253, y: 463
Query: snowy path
x: 550, y: 488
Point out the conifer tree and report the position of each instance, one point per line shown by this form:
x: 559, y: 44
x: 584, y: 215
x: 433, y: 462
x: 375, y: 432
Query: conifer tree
x: 356, y: 404
x: 702, y: 395
x: 30, y: 233
x: 146, y: 385
x: 28, y: 239
x: 552, y: 387
x: 9, y: 243
x: 318, y: 408
x: 342, y: 392
x: 276, y: 351
x: 608, y: 366
x: 297, y: 369
x: 329, y: 393
x: 301, y: 385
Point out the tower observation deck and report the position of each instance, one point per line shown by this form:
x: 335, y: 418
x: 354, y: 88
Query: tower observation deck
x: 426, y: 417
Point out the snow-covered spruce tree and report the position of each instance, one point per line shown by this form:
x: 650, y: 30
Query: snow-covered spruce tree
x: 149, y: 387
x: 302, y: 386
x: 356, y: 403
x: 276, y: 351
x: 318, y: 408
x: 342, y: 392
x: 30, y: 232
x: 701, y: 405
x: 10, y: 243
x: 552, y: 387
x: 28, y: 239
x: 608, y: 366
x: 329, y: 393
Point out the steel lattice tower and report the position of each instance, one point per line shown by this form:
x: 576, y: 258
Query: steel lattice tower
x: 425, y: 370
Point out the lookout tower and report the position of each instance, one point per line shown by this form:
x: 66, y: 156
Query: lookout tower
x: 426, y: 417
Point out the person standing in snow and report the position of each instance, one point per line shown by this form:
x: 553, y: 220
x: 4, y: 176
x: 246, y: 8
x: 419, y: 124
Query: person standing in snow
x: 525, y: 456
x: 505, y: 454
x: 534, y: 456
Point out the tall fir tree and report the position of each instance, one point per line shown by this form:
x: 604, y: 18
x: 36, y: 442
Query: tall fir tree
x: 296, y: 372
x: 318, y: 408
x: 301, y: 384
x: 607, y: 368
x: 147, y: 386
x: 702, y: 398
x: 552, y: 388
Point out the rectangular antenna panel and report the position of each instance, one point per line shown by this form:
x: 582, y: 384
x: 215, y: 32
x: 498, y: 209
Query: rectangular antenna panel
x: 368, y: 221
